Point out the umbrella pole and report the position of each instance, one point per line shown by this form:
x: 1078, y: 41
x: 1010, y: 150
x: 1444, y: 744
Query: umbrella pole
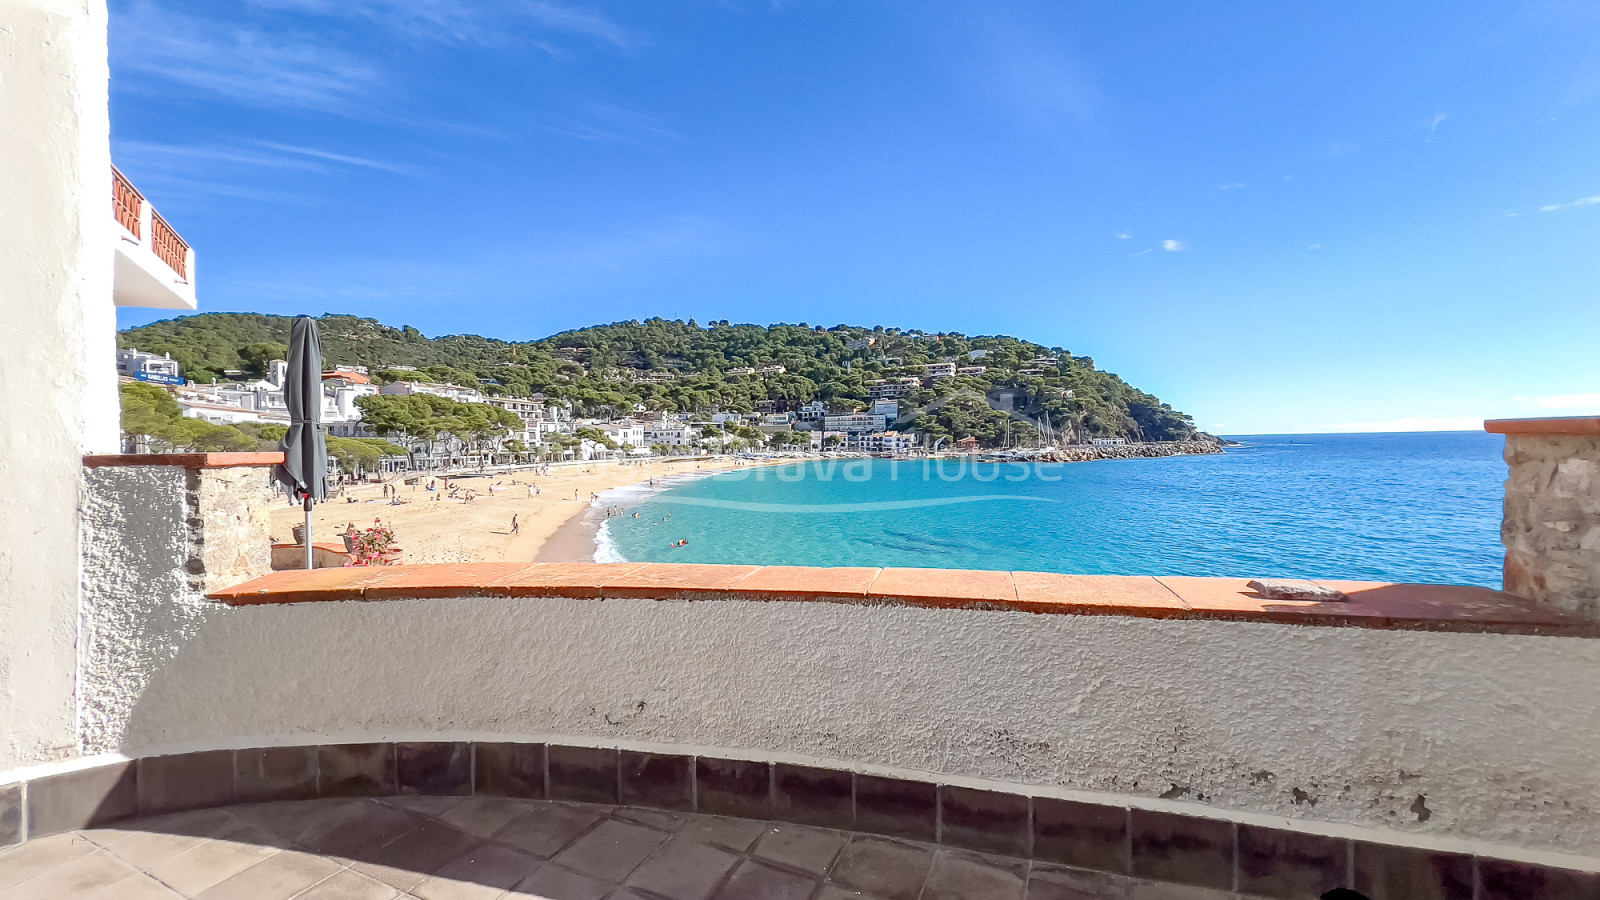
x: 308, y: 532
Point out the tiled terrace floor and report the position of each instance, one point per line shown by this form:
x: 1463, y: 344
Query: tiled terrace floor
x: 481, y: 848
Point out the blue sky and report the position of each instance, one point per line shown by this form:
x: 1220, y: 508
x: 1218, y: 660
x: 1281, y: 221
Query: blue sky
x: 1276, y: 216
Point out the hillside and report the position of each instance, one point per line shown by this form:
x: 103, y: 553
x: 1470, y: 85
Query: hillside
x: 685, y: 367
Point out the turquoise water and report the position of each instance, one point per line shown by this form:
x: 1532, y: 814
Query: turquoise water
x: 1393, y: 507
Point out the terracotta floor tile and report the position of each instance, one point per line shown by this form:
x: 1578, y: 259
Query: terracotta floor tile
x: 23, y: 861
x: 893, y: 870
x: 135, y: 887
x: 721, y: 831
x: 850, y: 582
x: 552, y: 882
x: 755, y: 881
x: 958, y: 875
x: 546, y: 829
x: 1132, y: 595
x: 82, y: 875
x: 1048, y: 882
x: 208, y: 863
x: 611, y: 850
x: 960, y: 585
x: 487, y: 865
x: 683, y: 869
x: 277, y: 877
x: 483, y: 816
x: 142, y: 850
x: 348, y: 885
x: 800, y: 847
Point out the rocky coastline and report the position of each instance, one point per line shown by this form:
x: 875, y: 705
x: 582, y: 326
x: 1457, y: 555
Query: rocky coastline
x: 1148, y: 450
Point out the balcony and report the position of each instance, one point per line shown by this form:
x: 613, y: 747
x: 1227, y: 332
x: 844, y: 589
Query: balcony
x: 732, y: 732
x: 155, y: 267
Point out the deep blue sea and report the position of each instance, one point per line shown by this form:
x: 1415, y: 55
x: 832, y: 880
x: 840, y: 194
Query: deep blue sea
x: 1391, y: 507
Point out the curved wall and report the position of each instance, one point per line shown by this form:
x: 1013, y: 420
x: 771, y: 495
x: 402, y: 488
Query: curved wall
x: 1472, y: 736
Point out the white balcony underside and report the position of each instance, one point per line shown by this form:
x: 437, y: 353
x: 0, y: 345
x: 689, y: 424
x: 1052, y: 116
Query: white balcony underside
x: 142, y: 279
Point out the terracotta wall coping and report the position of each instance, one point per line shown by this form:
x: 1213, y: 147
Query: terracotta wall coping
x: 1372, y: 604
x: 1575, y: 425
x: 184, y: 460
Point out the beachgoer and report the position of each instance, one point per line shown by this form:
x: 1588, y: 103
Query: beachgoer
x: 515, y: 527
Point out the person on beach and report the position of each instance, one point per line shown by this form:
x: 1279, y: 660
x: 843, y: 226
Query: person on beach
x: 515, y: 527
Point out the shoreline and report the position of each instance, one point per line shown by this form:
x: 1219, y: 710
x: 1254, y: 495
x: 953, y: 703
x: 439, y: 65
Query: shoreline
x: 573, y: 541
x: 432, y: 528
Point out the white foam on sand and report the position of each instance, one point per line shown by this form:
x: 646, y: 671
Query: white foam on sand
x: 627, y: 497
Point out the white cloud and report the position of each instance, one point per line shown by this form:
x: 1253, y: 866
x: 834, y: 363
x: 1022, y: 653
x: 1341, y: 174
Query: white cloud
x: 1568, y: 401
x: 242, y: 63
x: 1433, y: 124
x: 1576, y: 204
x: 1143, y: 252
x: 1314, y: 247
x: 192, y: 158
x: 258, y: 55
x: 1405, y: 424
x: 1230, y: 186
x: 1173, y: 246
x: 1125, y: 235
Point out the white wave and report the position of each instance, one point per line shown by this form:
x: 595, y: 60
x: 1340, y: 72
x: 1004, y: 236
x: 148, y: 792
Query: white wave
x: 628, y: 496
x: 605, y: 546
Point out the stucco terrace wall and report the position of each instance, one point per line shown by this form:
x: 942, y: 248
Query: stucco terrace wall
x: 1485, y: 736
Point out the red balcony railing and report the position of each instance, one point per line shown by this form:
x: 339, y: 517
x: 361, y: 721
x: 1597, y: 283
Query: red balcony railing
x: 127, y: 202
x: 168, y: 247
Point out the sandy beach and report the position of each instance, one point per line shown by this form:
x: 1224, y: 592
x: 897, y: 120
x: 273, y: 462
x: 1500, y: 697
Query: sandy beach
x: 446, y: 530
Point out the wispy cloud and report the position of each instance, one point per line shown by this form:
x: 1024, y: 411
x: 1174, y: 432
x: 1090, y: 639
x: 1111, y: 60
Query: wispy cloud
x: 1576, y: 204
x: 1568, y: 401
x: 1230, y: 186
x: 247, y: 154
x: 303, y: 53
x: 1174, y: 246
x: 1125, y: 235
x: 242, y: 63
x: 341, y: 158
x: 1314, y: 247
x: 1433, y: 125
x: 467, y: 21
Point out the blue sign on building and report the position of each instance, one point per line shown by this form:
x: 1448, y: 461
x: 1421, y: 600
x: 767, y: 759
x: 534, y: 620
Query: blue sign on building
x: 159, y: 379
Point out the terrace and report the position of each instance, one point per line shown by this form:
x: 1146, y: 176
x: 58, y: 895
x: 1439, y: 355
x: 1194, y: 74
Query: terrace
x: 677, y: 731
x: 176, y: 720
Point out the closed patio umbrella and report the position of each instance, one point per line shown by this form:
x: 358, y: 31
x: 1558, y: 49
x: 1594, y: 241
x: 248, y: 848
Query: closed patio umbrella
x: 304, y: 471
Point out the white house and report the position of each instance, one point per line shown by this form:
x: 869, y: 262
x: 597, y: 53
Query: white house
x: 148, y: 367
x: 449, y: 391
x: 855, y: 424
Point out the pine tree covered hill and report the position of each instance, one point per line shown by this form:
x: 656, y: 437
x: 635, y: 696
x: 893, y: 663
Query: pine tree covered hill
x: 685, y: 367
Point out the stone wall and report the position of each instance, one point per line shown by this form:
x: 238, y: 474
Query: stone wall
x: 229, y: 526
x: 155, y: 539
x: 1551, y: 528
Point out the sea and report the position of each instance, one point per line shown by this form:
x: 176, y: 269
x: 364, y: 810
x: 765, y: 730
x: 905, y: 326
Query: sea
x: 1386, y: 507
